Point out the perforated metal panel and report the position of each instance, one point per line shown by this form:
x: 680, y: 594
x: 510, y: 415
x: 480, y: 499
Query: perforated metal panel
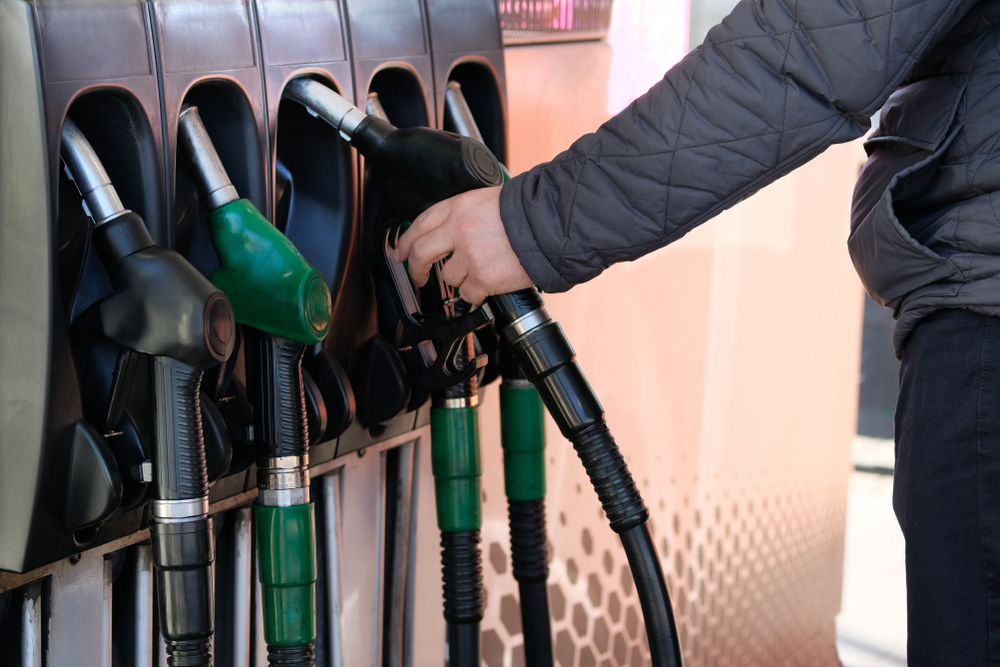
x: 751, y: 544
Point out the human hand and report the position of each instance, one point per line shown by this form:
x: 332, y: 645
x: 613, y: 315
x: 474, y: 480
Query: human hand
x: 469, y: 228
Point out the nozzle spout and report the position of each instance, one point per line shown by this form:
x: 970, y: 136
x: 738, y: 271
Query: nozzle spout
x: 85, y: 169
x: 212, y: 175
x: 324, y: 103
x: 459, y: 114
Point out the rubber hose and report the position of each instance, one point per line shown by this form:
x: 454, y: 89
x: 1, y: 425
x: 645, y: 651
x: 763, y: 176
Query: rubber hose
x: 464, y: 595
x: 463, y: 644
x: 549, y: 362
x: 529, y: 561
x: 653, y: 596
x: 292, y: 656
x: 190, y: 653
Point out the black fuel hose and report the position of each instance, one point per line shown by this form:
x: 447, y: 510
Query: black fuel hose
x: 544, y: 354
x: 529, y: 561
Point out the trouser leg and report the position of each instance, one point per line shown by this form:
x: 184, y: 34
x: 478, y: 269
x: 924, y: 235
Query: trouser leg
x: 947, y: 489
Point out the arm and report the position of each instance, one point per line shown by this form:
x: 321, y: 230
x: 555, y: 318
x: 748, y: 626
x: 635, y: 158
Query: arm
x: 772, y: 86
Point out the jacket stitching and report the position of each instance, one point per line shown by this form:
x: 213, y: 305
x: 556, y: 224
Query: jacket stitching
x: 676, y: 134
x: 888, y: 41
x: 717, y: 208
x: 806, y: 29
x: 618, y: 156
x: 784, y: 78
x: 534, y: 238
x: 572, y: 206
x: 907, y: 64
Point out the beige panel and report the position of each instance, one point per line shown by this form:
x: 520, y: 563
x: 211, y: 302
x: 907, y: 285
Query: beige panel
x: 728, y: 365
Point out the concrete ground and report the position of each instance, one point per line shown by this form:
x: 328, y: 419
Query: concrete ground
x: 871, y: 627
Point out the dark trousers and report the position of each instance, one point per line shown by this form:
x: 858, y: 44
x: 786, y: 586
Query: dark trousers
x: 947, y: 488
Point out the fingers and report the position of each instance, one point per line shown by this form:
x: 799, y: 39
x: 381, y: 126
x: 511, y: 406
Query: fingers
x: 467, y: 227
x: 426, y: 250
x: 454, y: 272
x: 425, y: 223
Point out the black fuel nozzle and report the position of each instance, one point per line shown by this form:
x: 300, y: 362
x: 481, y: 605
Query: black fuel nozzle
x: 419, y: 166
x: 163, y: 307
x: 422, y: 167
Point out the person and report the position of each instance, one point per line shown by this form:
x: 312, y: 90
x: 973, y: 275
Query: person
x: 772, y: 86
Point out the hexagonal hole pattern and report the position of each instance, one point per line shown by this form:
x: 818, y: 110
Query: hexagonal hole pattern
x: 579, y: 620
x: 614, y: 607
x: 601, y: 635
x: 557, y: 602
x: 594, y: 589
x: 631, y: 622
x: 746, y: 551
x: 565, y: 649
x: 492, y: 649
x: 510, y: 614
x: 497, y: 558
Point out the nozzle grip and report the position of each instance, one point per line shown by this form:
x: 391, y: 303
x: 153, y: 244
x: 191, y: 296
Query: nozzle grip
x: 274, y: 385
x: 179, y: 460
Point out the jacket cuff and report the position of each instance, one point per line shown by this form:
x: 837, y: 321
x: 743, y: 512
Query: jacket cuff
x: 536, y: 263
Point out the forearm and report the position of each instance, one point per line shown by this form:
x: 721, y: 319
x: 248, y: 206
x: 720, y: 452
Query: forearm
x: 775, y: 84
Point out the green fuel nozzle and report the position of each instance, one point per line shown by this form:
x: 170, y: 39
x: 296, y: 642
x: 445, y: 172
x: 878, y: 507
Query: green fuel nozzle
x: 163, y: 307
x: 270, y: 284
x: 284, y: 304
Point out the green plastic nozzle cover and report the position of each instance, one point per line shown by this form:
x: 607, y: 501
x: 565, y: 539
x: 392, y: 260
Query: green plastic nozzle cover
x: 269, y: 283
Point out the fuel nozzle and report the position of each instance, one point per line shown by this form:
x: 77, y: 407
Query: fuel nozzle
x: 425, y: 165
x: 163, y: 307
x: 284, y: 304
x: 420, y: 166
x: 252, y: 252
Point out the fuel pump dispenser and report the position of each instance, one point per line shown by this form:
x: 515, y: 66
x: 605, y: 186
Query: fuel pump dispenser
x: 522, y: 436
x: 162, y: 307
x: 424, y: 166
x: 284, y: 305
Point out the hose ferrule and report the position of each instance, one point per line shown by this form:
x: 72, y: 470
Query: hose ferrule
x: 286, y: 543
x: 456, y: 462
x: 283, y: 481
x: 185, y: 509
x: 525, y: 324
x: 516, y: 383
x: 456, y: 403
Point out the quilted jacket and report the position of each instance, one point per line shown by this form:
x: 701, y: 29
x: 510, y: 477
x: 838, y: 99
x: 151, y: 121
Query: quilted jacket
x: 771, y: 87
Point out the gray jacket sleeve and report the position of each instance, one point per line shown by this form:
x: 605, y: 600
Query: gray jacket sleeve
x: 772, y: 86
